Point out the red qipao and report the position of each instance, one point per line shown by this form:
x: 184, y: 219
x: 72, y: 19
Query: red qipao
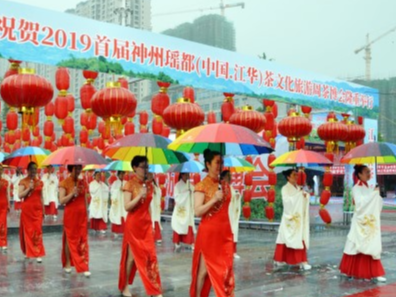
x: 75, y: 226
x: 30, y: 228
x: 214, y: 243
x: 3, y: 212
x: 138, y: 236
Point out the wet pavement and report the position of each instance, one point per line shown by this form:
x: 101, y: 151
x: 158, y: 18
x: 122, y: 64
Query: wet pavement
x: 254, y: 273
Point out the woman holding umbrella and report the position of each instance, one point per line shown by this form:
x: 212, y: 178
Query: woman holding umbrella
x: 293, y: 237
x: 30, y: 230
x: 183, y: 214
x: 362, y: 252
x: 213, y: 253
x: 138, y: 248
x: 4, y: 209
x: 72, y: 194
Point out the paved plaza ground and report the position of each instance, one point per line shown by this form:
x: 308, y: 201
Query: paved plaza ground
x: 254, y: 273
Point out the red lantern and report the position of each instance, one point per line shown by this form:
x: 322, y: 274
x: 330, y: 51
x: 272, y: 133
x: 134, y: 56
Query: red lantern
x: 269, y: 121
x: 211, y: 117
x: 270, y: 213
x: 124, y: 82
x: 165, y: 131
x: 325, y: 197
x: 112, y: 103
x: 247, y: 197
x: 70, y: 103
x: 227, y: 108
x: 247, y: 212
x: 90, y: 75
x: 68, y: 125
x: 301, y: 177
x: 84, y: 119
x: 332, y: 132
x: 26, y: 134
x: 26, y: 91
x: 275, y: 110
x: 189, y: 93
x: 272, y: 178
x: 157, y: 125
x: 143, y: 118
x: 327, y: 179
x: 306, y: 110
x: 48, y: 128
x: 129, y: 128
x: 271, y: 158
x: 294, y: 126
x: 12, y: 120
x: 183, y: 115
x: 271, y: 195
x: 161, y: 100
x: 324, y: 214
x: 14, y: 68
x: 62, y: 79
x: 92, y: 120
x: 248, y: 179
x: 249, y: 118
x: 268, y: 103
x: 61, y: 108
x: 49, y: 109
x: 86, y: 93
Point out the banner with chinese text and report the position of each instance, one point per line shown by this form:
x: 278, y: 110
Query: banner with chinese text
x: 42, y: 36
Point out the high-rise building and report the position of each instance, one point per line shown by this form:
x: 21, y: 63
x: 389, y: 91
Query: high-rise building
x: 213, y: 30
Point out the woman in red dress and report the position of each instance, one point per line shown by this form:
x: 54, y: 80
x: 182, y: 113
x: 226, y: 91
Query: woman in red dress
x: 138, y: 247
x: 72, y: 194
x: 30, y: 228
x: 214, y: 246
x: 4, y: 209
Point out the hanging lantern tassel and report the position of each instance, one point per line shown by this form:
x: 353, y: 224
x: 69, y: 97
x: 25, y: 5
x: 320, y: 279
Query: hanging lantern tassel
x: 325, y: 196
x: 247, y: 196
x: 271, y: 194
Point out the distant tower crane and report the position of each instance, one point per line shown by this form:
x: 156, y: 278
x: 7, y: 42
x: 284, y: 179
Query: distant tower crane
x: 367, y: 50
x: 222, y: 7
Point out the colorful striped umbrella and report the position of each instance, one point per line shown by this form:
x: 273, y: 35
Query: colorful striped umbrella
x: 227, y: 139
x: 238, y: 164
x: 118, y: 166
x: 372, y: 152
x: 95, y: 167
x: 155, y: 147
x: 301, y: 158
x: 23, y: 156
x: 2, y: 156
x: 74, y: 155
x: 158, y: 168
x: 187, y: 167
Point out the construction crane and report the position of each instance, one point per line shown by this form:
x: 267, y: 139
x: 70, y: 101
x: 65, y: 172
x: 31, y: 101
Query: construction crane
x: 222, y: 7
x: 367, y: 50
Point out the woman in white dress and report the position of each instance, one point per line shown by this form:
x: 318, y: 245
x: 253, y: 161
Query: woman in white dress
x: 234, y: 210
x: 50, y: 192
x: 155, y: 210
x: 362, y: 252
x: 292, y: 242
x: 16, y: 178
x: 98, y: 208
x: 117, y: 212
x: 183, y: 213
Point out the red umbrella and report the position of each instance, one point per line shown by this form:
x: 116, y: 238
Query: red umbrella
x: 74, y: 155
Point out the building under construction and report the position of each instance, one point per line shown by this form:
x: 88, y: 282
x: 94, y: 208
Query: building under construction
x: 213, y: 30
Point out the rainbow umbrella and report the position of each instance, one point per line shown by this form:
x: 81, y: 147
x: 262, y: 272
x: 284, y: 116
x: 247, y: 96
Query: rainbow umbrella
x: 23, y: 156
x: 302, y: 158
x: 2, y: 156
x: 238, y: 164
x: 95, y: 167
x: 118, y: 166
x: 372, y: 152
x: 158, y: 168
x: 187, y: 167
x: 74, y: 155
x: 227, y: 139
x: 155, y: 147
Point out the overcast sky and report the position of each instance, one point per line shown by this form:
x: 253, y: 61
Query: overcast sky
x: 314, y: 35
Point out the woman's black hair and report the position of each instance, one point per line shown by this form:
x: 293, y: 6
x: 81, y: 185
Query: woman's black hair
x: 288, y: 172
x: 224, y: 174
x: 119, y: 172
x: 137, y: 160
x: 209, y: 156
x: 181, y: 174
x: 358, y: 169
x: 70, y: 167
x: 31, y: 164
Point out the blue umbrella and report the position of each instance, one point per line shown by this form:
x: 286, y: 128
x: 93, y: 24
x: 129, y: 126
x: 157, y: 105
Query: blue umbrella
x: 187, y: 167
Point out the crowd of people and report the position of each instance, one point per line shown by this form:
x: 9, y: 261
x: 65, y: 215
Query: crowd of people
x: 135, y: 212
